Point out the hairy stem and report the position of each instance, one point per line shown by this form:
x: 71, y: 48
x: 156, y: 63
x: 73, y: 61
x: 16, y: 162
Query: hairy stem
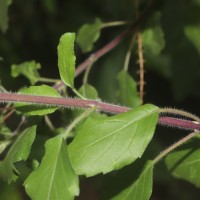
x: 78, y: 120
x: 179, y: 112
x: 112, y: 44
x: 174, y: 146
x: 108, y: 47
x: 86, y: 75
x: 128, y: 54
x: 78, y: 94
x: 141, y: 64
x: 105, y: 107
x: 48, y: 80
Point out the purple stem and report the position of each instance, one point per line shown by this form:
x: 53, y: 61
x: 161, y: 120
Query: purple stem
x: 105, y: 107
x: 177, y: 122
x: 112, y: 44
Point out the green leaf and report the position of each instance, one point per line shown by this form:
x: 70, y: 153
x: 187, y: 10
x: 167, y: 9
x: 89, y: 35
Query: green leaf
x: 66, y: 58
x: 19, y: 151
x: 109, y: 143
x: 153, y: 37
x: 88, y: 34
x: 30, y: 109
x: 28, y: 69
x: 141, y: 188
x: 193, y: 32
x: 184, y: 163
x: 54, y: 178
x: 4, y: 4
x: 88, y: 91
x: 127, y: 93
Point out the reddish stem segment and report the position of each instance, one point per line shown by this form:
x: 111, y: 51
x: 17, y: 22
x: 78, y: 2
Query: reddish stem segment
x: 112, y: 44
x: 108, y: 47
x: 177, y: 122
x: 105, y: 107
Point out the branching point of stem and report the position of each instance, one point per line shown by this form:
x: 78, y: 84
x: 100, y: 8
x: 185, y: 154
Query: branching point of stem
x: 175, y: 112
x: 78, y: 120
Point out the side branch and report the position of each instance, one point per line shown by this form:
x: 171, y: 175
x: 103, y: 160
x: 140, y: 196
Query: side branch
x: 108, y: 47
x: 105, y: 107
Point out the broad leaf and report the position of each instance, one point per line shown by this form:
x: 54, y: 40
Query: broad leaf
x: 28, y: 69
x: 19, y: 151
x: 193, y: 32
x: 127, y: 93
x: 141, y: 188
x: 66, y: 58
x: 185, y: 163
x: 4, y: 4
x: 109, y: 143
x: 88, y: 91
x: 30, y: 109
x: 153, y: 37
x: 88, y: 34
x: 54, y: 178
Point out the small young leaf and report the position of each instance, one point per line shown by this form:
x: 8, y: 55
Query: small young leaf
x: 153, y: 37
x: 54, y: 179
x: 30, y: 109
x: 28, y: 69
x: 192, y: 32
x: 141, y: 188
x: 88, y: 34
x: 88, y: 91
x: 184, y: 163
x: 127, y: 93
x: 66, y: 58
x: 19, y: 150
x: 109, y: 143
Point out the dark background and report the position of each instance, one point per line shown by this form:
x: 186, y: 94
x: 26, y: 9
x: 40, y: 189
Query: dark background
x: 33, y: 34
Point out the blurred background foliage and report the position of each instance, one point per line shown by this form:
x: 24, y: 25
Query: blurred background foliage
x: 30, y: 30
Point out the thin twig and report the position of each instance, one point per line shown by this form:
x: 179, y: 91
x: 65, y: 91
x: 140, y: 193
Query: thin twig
x: 141, y: 64
x: 176, y: 112
x: 128, y: 54
x: 174, y: 146
x: 112, y: 44
x: 7, y: 116
x: 49, y: 123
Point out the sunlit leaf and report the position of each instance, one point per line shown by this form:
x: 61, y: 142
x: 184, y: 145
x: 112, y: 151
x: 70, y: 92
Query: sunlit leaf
x: 127, y: 93
x: 28, y: 69
x: 88, y: 34
x: 19, y: 151
x: 109, y: 143
x: 30, y: 109
x: 54, y: 179
x: 184, y: 163
x: 66, y: 58
x: 141, y: 188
